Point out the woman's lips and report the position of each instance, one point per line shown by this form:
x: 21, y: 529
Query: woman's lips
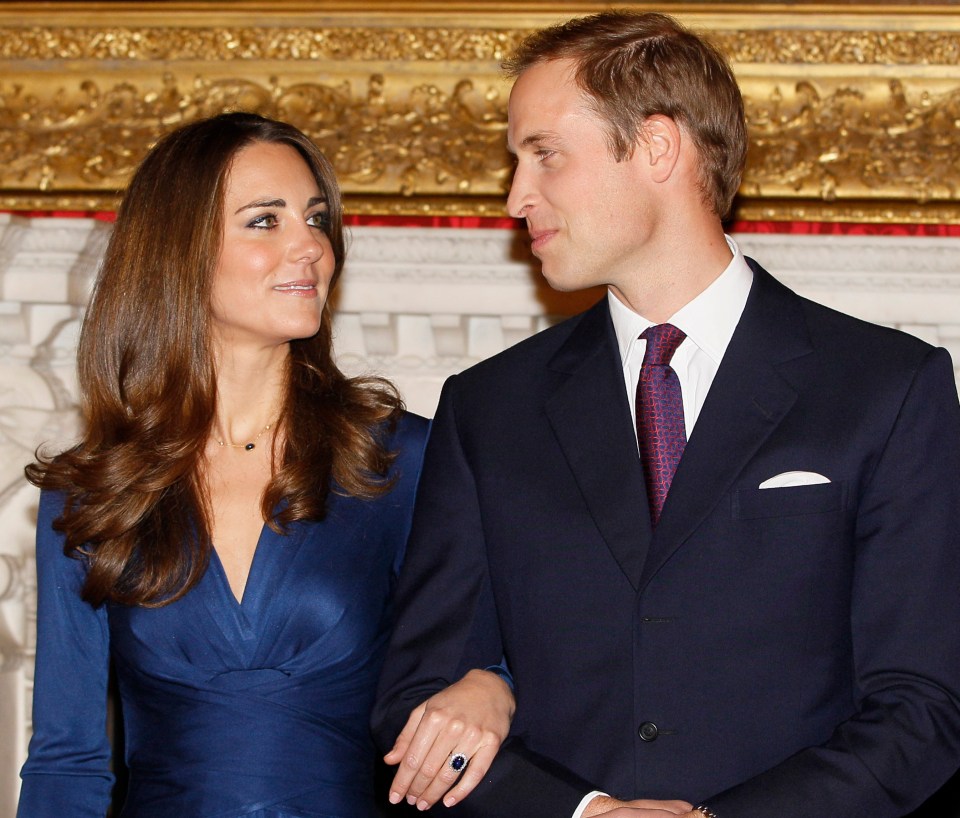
x: 304, y: 289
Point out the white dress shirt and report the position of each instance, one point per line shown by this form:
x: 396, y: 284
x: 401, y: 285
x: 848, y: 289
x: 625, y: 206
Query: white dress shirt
x: 708, y: 322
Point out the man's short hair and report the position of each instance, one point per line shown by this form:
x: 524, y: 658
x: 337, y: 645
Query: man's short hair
x: 635, y: 65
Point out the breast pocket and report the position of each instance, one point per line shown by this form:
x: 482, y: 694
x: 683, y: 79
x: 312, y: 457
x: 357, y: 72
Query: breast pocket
x: 792, y: 501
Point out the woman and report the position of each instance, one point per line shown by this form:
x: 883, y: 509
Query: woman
x: 230, y: 526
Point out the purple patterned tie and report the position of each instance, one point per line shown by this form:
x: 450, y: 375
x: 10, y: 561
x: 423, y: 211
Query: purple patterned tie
x: 660, y: 428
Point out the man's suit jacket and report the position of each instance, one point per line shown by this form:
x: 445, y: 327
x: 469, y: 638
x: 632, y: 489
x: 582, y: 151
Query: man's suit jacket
x: 789, y: 652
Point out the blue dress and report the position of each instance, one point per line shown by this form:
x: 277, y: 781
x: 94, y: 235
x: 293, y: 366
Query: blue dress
x: 258, y: 708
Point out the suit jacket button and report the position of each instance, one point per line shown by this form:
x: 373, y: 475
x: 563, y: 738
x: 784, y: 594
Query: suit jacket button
x: 648, y: 731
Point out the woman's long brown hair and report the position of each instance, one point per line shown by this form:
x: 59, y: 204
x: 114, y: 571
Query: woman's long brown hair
x: 135, y: 505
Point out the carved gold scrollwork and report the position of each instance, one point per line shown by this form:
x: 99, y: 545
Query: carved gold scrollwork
x: 430, y: 141
x: 829, y: 140
x: 221, y: 43
x: 826, y: 47
x: 852, y: 116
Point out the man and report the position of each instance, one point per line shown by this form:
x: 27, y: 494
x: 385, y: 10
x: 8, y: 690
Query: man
x: 780, y: 635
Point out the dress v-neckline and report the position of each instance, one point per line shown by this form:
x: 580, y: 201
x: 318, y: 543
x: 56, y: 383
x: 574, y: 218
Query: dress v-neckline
x: 244, y: 621
x: 245, y: 601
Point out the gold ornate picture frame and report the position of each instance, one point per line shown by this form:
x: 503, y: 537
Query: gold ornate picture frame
x: 854, y: 109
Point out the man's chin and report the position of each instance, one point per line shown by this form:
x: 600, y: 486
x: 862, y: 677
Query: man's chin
x: 560, y: 282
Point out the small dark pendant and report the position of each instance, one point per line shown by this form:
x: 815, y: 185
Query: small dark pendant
x: 249, y: 447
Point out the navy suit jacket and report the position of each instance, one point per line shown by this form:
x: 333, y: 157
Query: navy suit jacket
x: 791, y: 652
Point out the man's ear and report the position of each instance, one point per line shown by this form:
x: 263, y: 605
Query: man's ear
x: 659, y: 144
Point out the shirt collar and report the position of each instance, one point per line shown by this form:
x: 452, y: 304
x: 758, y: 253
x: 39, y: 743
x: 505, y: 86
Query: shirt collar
x: 709, y: 320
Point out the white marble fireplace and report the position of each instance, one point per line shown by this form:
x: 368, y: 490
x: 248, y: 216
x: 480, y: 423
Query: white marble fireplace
x: 415, y: 304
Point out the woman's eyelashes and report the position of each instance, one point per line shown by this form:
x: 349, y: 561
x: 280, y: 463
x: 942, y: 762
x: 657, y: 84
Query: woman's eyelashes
x: 320, y: 219
x: 267, y: 221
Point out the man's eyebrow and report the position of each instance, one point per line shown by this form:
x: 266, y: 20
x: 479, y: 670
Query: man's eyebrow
x: 535, y: 140
x: 539, y: 139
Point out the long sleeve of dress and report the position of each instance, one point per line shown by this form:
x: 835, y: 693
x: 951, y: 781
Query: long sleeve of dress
x: 67, y: 773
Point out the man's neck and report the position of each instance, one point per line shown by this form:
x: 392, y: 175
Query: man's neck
x: 675, y: 279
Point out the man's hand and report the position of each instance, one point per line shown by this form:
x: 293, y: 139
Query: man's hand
x: 471, y: 717
x: 608, y: 807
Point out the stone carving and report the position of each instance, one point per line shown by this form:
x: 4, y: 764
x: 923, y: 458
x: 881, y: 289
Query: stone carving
x: 415, y: 305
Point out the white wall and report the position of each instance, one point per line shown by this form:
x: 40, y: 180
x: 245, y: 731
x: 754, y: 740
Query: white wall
x: 415, y: 305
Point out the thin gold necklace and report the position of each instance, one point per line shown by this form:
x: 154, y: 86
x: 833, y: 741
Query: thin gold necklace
x: 248, y: 447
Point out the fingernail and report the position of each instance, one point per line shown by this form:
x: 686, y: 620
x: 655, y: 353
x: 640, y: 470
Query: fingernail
x: 449, y: 801
x: 422, y: 805
x: 394, y: 798
x: 411, y: 800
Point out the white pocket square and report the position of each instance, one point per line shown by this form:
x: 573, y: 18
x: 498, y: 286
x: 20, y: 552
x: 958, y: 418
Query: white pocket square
x: 793, y: 478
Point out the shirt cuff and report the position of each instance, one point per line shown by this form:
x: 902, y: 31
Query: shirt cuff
x: 578, y: 812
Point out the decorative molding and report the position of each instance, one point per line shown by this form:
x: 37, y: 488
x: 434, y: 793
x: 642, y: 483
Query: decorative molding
x: 13, y: 585
x: 853, y: 109
x: 10, y: 583
x: 237, y: 43
x: 414, y: 43
x: 865, y: 263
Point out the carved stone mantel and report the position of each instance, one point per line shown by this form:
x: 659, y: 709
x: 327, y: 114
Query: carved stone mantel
x: 414, y: 304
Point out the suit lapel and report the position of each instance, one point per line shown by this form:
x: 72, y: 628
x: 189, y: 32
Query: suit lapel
x: 590, y: 417
x: 747, y: 400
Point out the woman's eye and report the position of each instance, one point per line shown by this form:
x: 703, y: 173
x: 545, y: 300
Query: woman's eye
x: 320, y: 220
x: 265, y: 221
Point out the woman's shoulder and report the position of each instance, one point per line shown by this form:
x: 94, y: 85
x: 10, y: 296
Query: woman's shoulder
x: 412, y: 429
x: 67, y: 571
x: 52, y: 502
x: 408, y: 440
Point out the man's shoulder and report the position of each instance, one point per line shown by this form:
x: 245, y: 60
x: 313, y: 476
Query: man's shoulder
x: 840, y: 333
x: 844, y: 333
x: 871, y: 363
x: 534, y: 354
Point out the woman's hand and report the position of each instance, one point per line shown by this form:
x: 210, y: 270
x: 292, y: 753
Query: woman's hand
x: 469, y: 718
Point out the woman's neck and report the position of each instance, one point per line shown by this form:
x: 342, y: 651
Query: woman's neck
x: 250, y: 389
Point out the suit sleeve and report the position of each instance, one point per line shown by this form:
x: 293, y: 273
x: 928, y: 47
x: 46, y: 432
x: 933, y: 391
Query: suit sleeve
x: 905, y: 623
x: 67, y: 772
x: 447, y: 624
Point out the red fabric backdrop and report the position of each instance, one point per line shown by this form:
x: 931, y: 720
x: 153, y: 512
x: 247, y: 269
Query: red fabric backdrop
x: 504, y: 223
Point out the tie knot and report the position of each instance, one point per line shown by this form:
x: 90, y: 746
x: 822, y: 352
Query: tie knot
x: 662, y: 341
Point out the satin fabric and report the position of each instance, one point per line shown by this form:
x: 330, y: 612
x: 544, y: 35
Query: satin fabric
x: 257, y: 708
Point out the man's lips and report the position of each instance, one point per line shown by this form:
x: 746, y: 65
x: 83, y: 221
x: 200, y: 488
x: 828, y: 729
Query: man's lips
x: 538, y: 238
